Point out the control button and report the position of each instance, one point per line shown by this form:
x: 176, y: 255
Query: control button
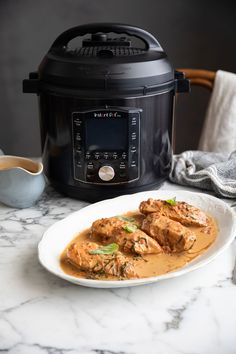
x: 115, y: 155
x: 106, y: 173
x: 96, y: 155
x: 87, y: 155
x: 134, y: 121
x: 122, y: 165
x: 78, y: 137
x: 78, y: 164
x: 133, y: 149
x: 133, y: 136
x: 78, y: 153
x: 78, y: 122
x: 122, y: 174
x: 91, y: 172
x: 90, y: 166
x: 90, y: 177
x: 106, y: 155
x: 133, y: 163
x: 124, y: 155
x: 78, y: 148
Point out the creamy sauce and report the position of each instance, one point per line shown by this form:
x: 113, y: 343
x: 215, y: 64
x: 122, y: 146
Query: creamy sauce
x: 153, y: 264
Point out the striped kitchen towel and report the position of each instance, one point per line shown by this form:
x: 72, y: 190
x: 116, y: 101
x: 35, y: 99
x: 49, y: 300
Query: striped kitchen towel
x: 206, y: 170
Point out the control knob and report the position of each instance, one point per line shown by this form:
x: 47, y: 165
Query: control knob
x: 106, y: 173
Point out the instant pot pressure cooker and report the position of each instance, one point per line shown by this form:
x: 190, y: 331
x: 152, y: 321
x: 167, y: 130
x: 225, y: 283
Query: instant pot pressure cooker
x: 106, y: 111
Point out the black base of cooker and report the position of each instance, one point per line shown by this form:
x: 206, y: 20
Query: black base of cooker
x: 95, y: 195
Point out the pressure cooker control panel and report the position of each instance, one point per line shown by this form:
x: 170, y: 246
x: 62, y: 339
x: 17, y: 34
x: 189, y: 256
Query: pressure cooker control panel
x: 106, y: 143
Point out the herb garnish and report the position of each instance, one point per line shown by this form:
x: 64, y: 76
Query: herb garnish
x: 171, y: 201
x: 130, y: 228
x: 125, y: 218
x: 108, y: 249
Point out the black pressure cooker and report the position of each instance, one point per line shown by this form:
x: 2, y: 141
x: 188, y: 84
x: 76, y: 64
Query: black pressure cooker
x: 106, y: 111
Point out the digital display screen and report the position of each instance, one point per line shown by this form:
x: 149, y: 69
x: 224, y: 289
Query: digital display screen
x: 106, y: 134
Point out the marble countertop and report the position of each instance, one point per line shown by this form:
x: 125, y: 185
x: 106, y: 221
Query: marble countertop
x: 40, y: 313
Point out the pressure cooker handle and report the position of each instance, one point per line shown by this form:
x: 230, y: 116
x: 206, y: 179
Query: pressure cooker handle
x: 150, y: 41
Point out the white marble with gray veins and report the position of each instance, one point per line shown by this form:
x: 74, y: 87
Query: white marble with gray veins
x: 192, y: 314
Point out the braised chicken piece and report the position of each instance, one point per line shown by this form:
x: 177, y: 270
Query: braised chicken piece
x: 137, y: 242
x: 104, y: 228
x: 126, y: 235
x: 170, y: 234
x: 115, y: 264
x: 182, y: 212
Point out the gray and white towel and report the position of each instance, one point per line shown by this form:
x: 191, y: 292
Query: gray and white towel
x: 206, y: 170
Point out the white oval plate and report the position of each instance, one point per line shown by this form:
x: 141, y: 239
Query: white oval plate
x: 56, y: 238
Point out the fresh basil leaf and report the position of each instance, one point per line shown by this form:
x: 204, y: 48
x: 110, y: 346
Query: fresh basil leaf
x: 171, y: 201
x: 108, y: 249
x: 130, y: 228
x: 125, y: 218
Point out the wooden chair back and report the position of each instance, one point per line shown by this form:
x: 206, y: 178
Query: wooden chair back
x: 198, y: 77
x: 202, y: 78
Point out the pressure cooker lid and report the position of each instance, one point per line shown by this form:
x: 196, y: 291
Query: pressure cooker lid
x: 110, y: 56
x: 102, y: 46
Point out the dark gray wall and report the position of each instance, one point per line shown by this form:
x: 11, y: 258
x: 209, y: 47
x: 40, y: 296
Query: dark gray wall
x: 197, y: 34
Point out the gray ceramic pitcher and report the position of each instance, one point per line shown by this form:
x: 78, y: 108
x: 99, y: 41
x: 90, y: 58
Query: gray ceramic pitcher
x: 21, y: 181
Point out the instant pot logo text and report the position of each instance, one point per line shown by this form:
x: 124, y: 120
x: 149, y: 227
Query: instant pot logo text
x: 106, y: 114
